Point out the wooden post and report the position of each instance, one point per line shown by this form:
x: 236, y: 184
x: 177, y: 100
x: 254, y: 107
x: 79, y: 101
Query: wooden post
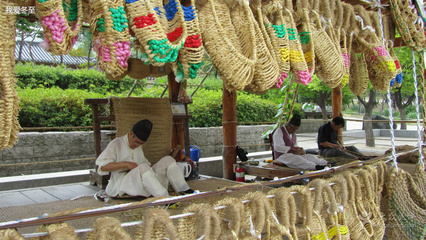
x: 336, y: 102
x: 178, y: 137
x: 229, y: 123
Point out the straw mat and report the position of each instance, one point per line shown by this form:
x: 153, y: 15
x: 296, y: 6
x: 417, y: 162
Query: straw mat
x: 130, y: 110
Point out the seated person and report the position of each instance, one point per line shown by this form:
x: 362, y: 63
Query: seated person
x: 132, y: 173
x: 287, y: 152
x: 328, y: 144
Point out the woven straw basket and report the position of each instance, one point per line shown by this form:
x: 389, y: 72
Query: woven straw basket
x: 358, y: 79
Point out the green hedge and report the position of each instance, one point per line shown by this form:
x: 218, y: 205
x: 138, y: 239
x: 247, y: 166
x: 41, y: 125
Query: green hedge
x: 54, y: 107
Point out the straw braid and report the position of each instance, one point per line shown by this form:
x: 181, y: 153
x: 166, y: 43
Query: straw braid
x: 330, y: 67
x: 276, y: 28
x: 340, y: 189
x: 9, y: 101
x: 416, y: 189
x: 404, y: 215
x: 266, y: 72
x: 110, y: 34
x: 10, y: 234
x: 161, y: 31
x: 408, y: 24
x: 60, y: 31
x: 233, y: 51
x: 231, y: 218
x: 192, y: 53
x: 107, y: 228
x: 57, y: 231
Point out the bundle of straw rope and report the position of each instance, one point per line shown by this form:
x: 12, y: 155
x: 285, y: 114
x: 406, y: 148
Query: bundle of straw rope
x: 305, y: 34
x: 275, y: 26
x: 61, y: 21
x: 231, y: 218
x: 284, y: 207
x: 340, y: 188
x: 304, y: 223
x: 191, y: 55
x: 9, y: 101
x: 408, y: 24
x: 160, y: 30
x: 157, y: 225
x: 204, y: 223
x: 110, y: 34
x: 358, y: 80
x: 233, y: 51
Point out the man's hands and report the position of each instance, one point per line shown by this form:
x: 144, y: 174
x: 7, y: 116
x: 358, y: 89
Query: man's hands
x: 297, y: 149
x: 131, y: 165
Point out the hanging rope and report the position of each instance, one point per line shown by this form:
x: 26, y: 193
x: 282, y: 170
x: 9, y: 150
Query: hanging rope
x: 420, y: 144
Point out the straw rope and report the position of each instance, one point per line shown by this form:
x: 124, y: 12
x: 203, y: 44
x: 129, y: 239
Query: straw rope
x: 276, y: 28
x: 61, y: 21
x: 9, y: 101
x: 110, y: 36
x: 258, y: 216
x: 266, y: 71
x: 232, y: 50
x: 160, y: 30
x: 286, y: 213
x: 407, y: 23
x: 192, y: 53
x: 404, y: 215
x: 303, y: 199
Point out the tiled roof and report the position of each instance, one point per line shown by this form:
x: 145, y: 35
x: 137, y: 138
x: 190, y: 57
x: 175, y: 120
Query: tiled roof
x: 42, y: 56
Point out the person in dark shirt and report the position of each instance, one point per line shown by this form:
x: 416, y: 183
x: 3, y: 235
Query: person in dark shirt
x: 328, y: 143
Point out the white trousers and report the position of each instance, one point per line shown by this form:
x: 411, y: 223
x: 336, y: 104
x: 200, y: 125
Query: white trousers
x: 305, y: 162
x: 145, y: 180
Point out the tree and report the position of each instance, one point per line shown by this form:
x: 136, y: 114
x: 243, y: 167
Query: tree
x: 25, y: 30
x: 319, y: 94
x: 368, y: 115
x: 406, y: 90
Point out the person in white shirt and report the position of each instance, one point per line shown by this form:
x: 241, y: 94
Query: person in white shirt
x: 287, y: 152
x: 132, y: 173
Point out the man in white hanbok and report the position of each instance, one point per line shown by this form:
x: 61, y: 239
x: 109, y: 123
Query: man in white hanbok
x: 131, y: 172
x: 286, y: 150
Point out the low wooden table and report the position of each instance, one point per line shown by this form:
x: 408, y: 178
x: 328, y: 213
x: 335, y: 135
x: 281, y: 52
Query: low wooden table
x: 270, y: 172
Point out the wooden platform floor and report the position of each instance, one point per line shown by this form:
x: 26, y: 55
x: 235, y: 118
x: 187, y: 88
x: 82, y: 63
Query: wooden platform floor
x: 46, y: 194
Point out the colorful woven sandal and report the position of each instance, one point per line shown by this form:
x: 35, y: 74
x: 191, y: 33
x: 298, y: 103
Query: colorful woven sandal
x: 61, y: 21
x: 110, y: 34
x: 160, y: 30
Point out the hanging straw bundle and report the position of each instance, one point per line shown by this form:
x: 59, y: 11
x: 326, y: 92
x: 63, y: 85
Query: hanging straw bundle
x: 325, y: 222
x: 205, y: 223
x: 160, y: 30
x: 404, y: 215
x: 258, y: 215
x: 61, y: 21
x: 369, y: 183
x: 286, y: 212
x: 358, y: 80
x: 330, y: 67
x: 191, y: 55
x: 305, y: 34
x: 340, y: 189
x: 298, y: 63
x: 9, y: 101
x: 231, y: 218
x: 408, y: 23
x: 107, y: 228
x: 110, y: 34
x: 266, y: 71
x: 57, y: 231
x: 276, y: 28
x: 359, y: 223
x: 156, y: 225
x: 232, y: 50
x: 304, y: 223
x: 381, y: 66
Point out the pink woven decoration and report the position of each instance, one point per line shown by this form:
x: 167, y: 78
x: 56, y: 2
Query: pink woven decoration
x: 56, y: 25
x: 122, y: 52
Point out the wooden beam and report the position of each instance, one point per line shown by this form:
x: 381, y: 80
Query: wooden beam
x: 229, y: 123
x: 336, y: 102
